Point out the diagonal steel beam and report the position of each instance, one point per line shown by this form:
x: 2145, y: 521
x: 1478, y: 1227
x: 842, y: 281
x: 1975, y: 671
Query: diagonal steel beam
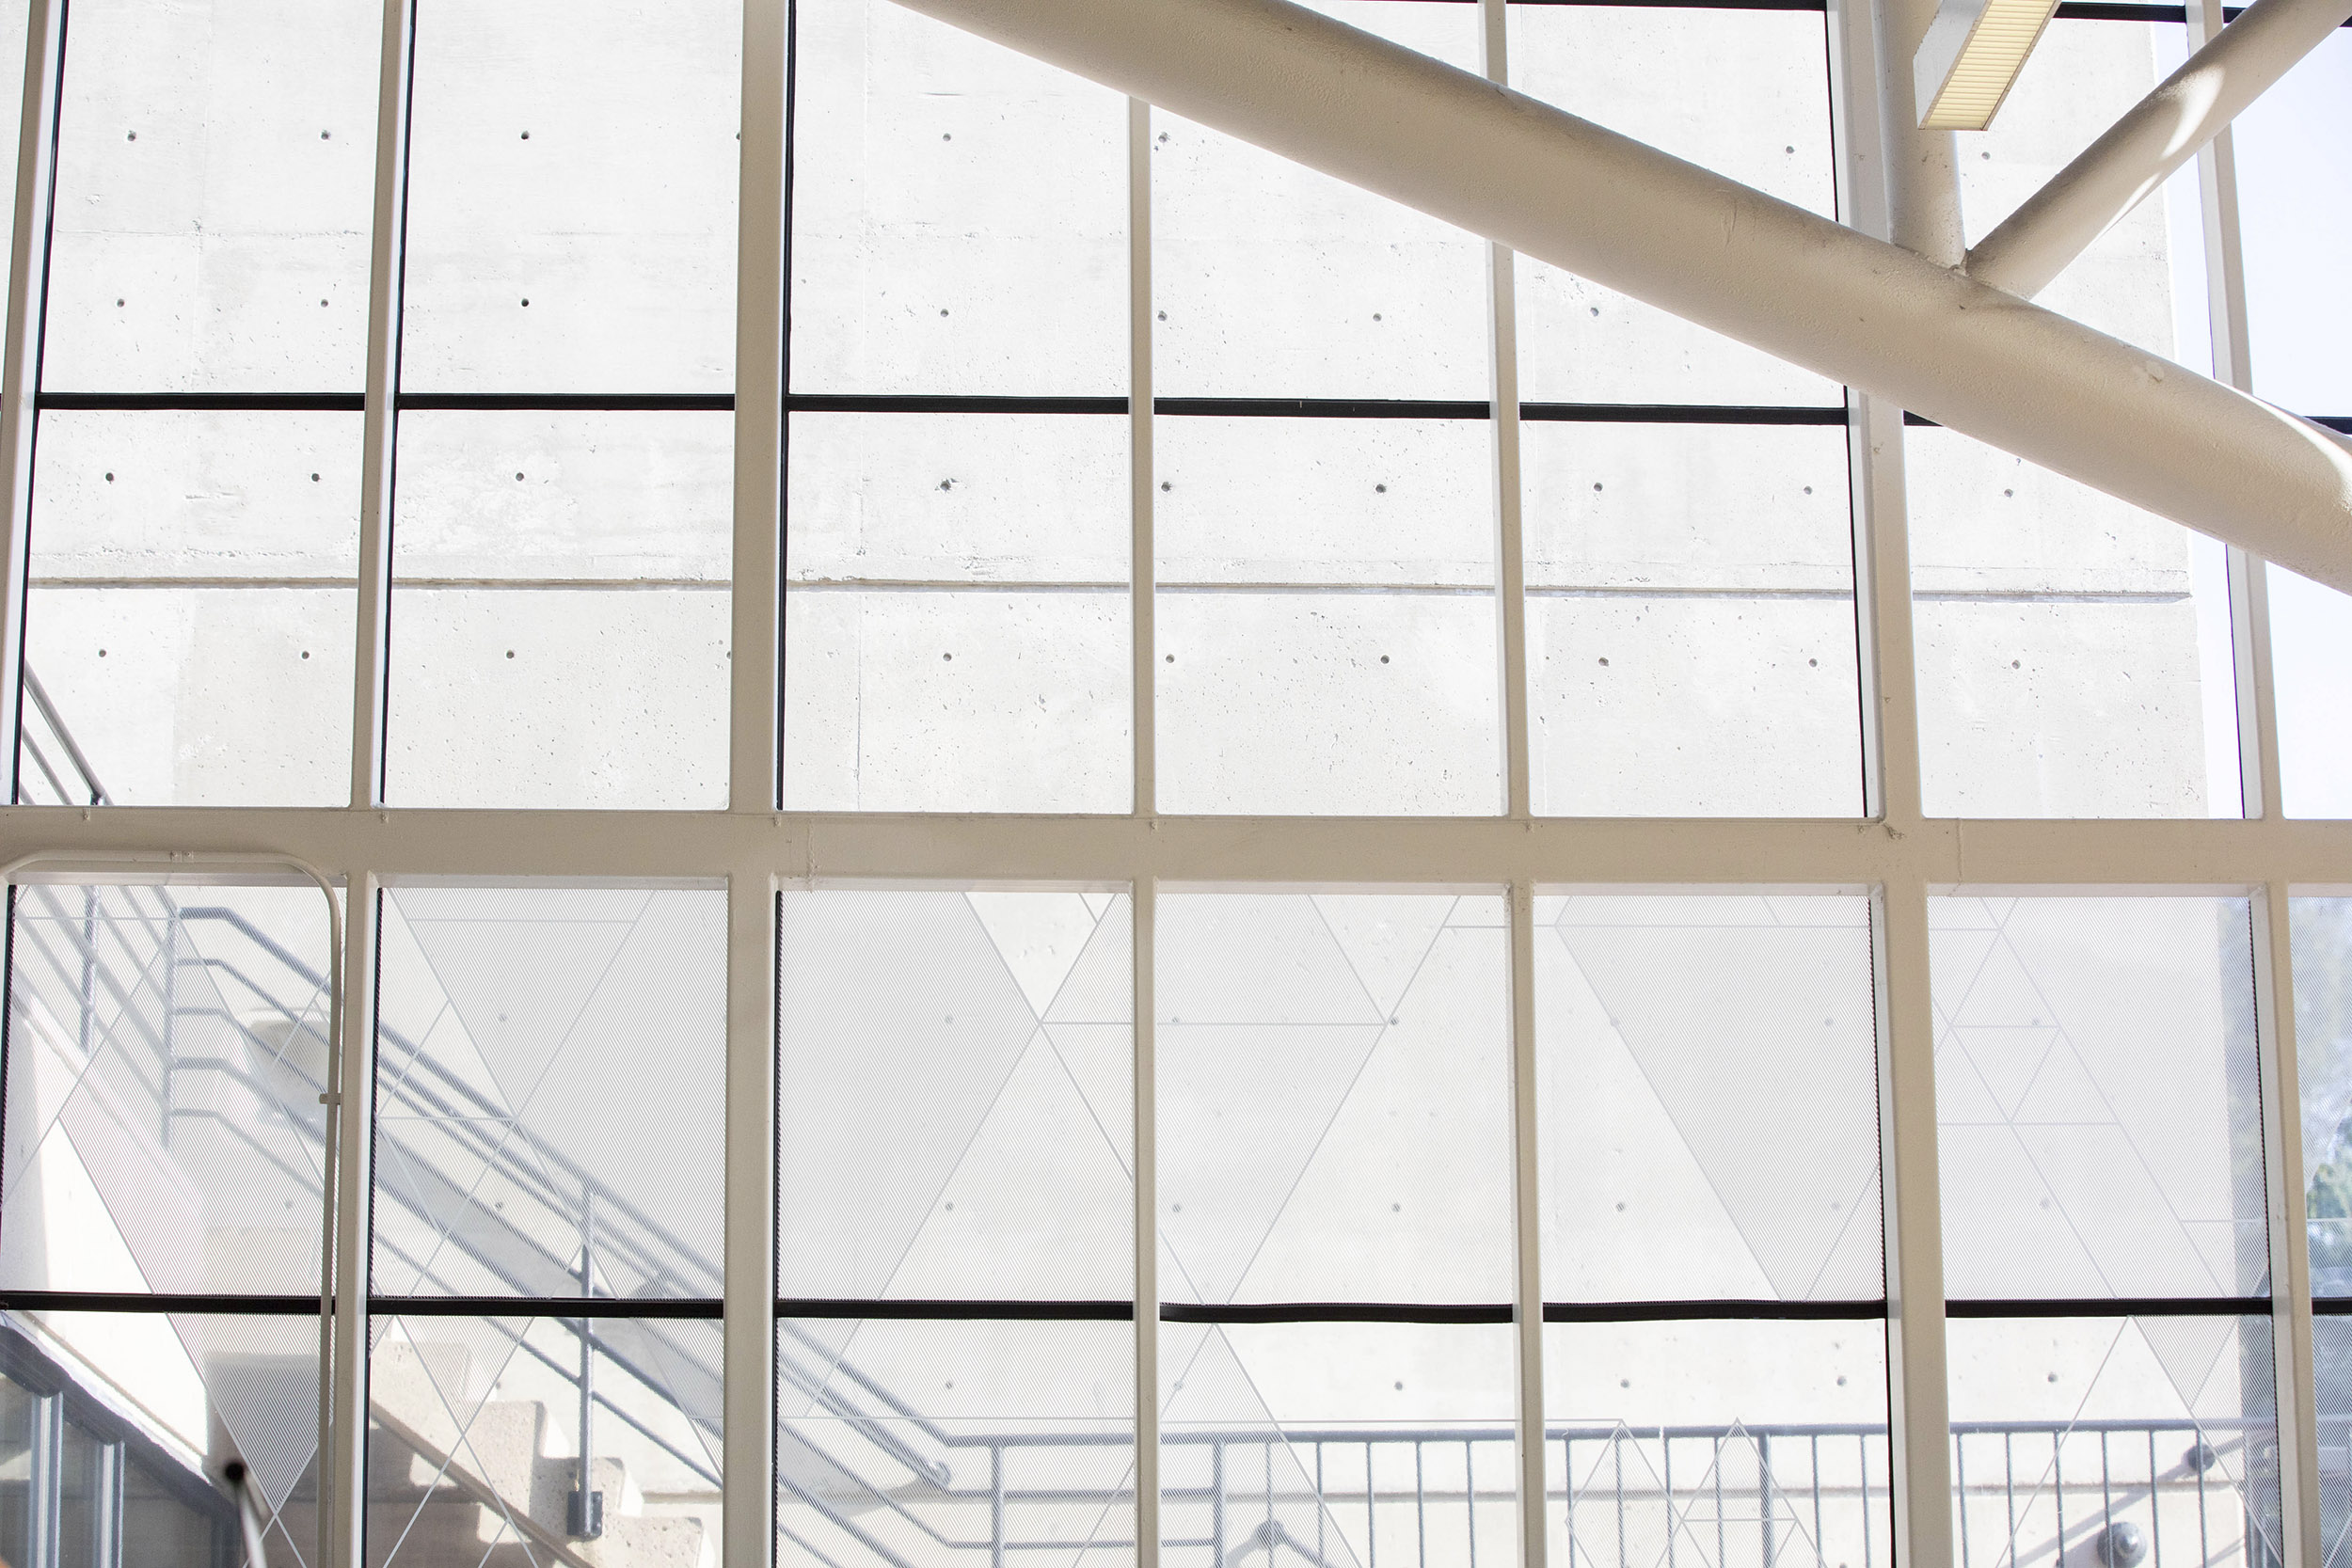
x: 2155, y: 137
x: 1721, y: 254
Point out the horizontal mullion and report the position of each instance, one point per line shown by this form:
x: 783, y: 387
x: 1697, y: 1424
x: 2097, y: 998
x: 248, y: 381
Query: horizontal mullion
x: 2115, y: 1306
x: 1713, y: 1311
x: 220, y: 1304
x: 2189, y: 854
x: 198, y: 403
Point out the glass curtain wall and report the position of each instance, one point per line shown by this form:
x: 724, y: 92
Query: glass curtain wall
x: 1128, y: 469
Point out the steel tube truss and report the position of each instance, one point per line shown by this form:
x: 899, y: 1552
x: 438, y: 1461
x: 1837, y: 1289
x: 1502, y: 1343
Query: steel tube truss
x: 1790, y: 283
x: 2159, y: 133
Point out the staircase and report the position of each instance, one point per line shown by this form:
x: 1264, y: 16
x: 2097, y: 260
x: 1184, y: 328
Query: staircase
x: 492, y: 1494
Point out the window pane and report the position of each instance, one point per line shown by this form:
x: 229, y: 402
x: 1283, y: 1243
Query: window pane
x: 571, y: 197
x: 1270, y: 279
x: 2098, y: 1107
x: 1707, y: 1082
x: 185, y: 1393
x: 956, y: 613
x: 1742, y: 92
x: 188, y: 620
x: 954, y: 1091
x: 166, y: 1050
x: 2323, y: 1050
x: 1718, y: 1443
x: 2072, y: 650
x: 2331, y: 1355
x: 2127, y: 1434
x: 214, y: 190
x: 1336, y: 1443
x: 475, y: 1429
x: 560, y: 611
x: 2295, y: 195
x: 1334, y: 1097
x: 1327, y: 631
x: 528, y: 1038
x: 1691, y: 620
x: 958, y: 213
x: 2310, y: 647
x: 903, y: 1442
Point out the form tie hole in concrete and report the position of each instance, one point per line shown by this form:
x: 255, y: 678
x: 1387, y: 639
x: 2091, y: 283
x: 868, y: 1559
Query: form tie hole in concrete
x: 946, y: 484
x: 526, y: 135
x: 1596, y: 310
x: 510, y: 653
x: 2016, y: 664
x: 942, y: 312
x: 321, y: 305
x: 945, y: 136
x: 1596, y: 487
x: 518, y: 478
x: 1163, y: 315
x: 314, y: 478
x: 1171, y: 659
x: 1165, y: 486
x: 1384, y: 658
x: 526, y: 305
x: 132, y: 135
x: 117, y: 305
x: 947, y: 659
x: 110, y: 478
x: 326, y: 135
x: 1788, y: 150
x: 1604, y: 664
x: 102, y: 653
x: 1808, y: 489
x: 1813, y: 664
x: 1375, y: 316
x: 306, y: 652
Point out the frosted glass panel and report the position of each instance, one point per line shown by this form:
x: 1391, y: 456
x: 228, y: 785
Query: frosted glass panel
x: 1743, y: 93
x: 1270, y: 279
x: 2072, y: 650
x: 166, y: 1050
x: 955, y: 1095
x: 161, y: 1404
x: 1326, y: 632
x: 189, y: 622
x: 1004, y: 1441
x: 214, y: 193
x: 2331, y: 1355
x: 958, y: 212
x: 477, y: 1427
x: 529, y: 1037
x: 1334, y: 1097
x: 1691, y: 620
x: 956, y: 613
x: 2124, y: 1433
x: 1346, y: 1444
x: 572, y: 186
x: 1745, y: 1443
x: 2097, y: 1104
x: 1706, y: 1072
x: 560, y: 611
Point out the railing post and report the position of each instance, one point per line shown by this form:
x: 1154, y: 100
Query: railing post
x: 997, y: 1505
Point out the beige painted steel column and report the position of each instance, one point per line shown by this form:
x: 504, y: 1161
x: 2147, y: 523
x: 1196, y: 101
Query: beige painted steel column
x: 380, y: 426
x: 2294, y: 1368
x: 755, y: 701
x: 1142, y: 552
x: 1796, y: 285
x: 1502, y: 384
x: 2134, y: 156
x: 748, y: 1506
x: 754, y: 756
x: 20, y: 375
x: 1527, y: 1287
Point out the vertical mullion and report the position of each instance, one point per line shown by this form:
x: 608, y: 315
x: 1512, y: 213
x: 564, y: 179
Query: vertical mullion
x: 1146, y: 914
x: 1527, y: 1306
x: 379, y: 432
x: 343, y: 1521
x: 748, y: 1497
x: 1141, y: 562
x: 1503, y: 393
x: 2292, y: 1362
x: 756, y: 698
x: 1894, y: 183
x: 20, y: 377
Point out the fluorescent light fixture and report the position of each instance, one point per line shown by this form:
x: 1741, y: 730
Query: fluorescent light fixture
x: 1971, y: 57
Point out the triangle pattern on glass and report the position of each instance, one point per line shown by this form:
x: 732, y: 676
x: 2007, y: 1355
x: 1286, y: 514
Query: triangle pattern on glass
x: 987, y: 1234
x: 1736, y: 1500
x: 261, y: 1377
x: 1254, y: 958
x: 1962, y: 1096
x: 1100, y: 986
x: 2002, y: 994
x: 1100, y: 1061
x: 1790, y: 1212
x: 1267, y: 1483
x: 518, y: 986
x: 1038, y: 934
x: 1616, y: 1469
x: 1386, y: 937
x: 2007, y: 1059
x: 2063, y: 1091
x: 1261, y: 1099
